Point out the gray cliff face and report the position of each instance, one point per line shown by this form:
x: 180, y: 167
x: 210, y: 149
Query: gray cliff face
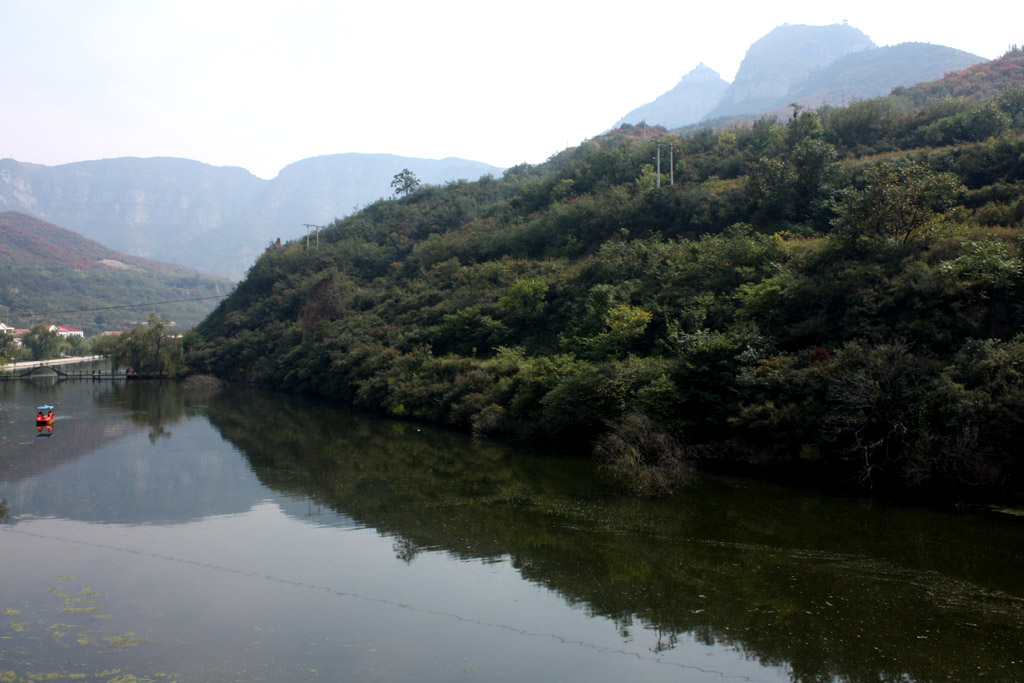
x: 696, y: 94
x: 143, y: 207
x: 779, y: 62
x: 214, y: 219
x: 805, y: 65
x: 16, y: 187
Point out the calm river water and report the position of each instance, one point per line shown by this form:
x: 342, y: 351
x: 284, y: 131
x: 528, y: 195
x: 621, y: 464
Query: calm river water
x: 166, y: 535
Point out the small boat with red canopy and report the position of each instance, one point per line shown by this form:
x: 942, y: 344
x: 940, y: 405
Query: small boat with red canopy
x: 44, y: 417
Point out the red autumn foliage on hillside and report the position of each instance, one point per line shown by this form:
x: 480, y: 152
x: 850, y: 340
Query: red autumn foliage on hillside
x: 980, y: 82
x: 28, y: 240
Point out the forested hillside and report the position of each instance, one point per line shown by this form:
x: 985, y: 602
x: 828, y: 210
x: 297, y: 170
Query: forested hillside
x: 839, y: 294
x: 52, y: 275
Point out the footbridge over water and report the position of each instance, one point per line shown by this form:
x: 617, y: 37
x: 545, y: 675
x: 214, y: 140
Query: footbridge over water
x: 29, y: 369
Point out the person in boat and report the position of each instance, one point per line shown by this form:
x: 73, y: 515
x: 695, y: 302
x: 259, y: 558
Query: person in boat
x: 49, y: 416
x: 39, y: 417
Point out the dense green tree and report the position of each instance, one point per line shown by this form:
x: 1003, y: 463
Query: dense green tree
x: 152, y: 348
x: 972, y: 125
x: 1011, y: 102
x: 525, y: 299
x: 8, y: 347
x: 771, y: 184
x: 899, y: 201
x: 817, y: 169
x: 803, y: 126
x: 404, y: 183
x: 860, y: 125
x: 41, y: 343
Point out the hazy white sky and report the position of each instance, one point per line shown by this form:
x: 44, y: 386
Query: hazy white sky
x: 262, y: 84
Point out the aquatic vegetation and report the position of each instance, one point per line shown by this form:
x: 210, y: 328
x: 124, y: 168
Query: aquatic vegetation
x: 126, y: 640
x: 23, y: 634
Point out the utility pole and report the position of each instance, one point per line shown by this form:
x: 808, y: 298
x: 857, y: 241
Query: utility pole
x: 659, y: 165
x: 310, y: 226
x: 671, y: 163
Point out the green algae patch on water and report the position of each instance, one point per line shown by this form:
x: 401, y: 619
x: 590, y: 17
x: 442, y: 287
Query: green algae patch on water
x: 57, y: 634
x: 85, y: 639
x: 22, y: 620
x: 80, y: 610
x: 82, y: 603
x: 125, y: 640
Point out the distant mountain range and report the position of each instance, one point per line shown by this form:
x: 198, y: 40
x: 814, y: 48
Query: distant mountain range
x: 805, y: 65
x: 696, y: 94
x: 219, y: 219
x: 52, y: 275
x: 214, y: 219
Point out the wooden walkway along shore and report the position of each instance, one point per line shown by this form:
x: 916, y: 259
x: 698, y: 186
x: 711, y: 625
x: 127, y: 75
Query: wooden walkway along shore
x: 96, y: 375
x: 30, y: 369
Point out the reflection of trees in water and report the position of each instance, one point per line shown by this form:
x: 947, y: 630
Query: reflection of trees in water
x: 154, y: 404
x: 129, y: 481
x: 5, y: 511
x: 832, y: 588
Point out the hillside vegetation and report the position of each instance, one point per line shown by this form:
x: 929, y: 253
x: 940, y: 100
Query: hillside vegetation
x: 839, y: 294
x: 52, y: 275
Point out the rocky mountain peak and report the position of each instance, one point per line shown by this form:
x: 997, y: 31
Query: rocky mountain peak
x: 688, y: 102
x: 779, y: 61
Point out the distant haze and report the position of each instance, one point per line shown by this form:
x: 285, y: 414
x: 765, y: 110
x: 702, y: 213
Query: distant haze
x: 216, y: 220
x: 259, y: 85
